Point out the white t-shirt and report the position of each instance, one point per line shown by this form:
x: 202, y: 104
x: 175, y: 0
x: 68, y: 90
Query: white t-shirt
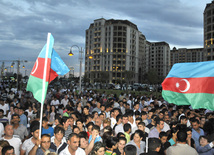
x: 79, y: 151
x: 28, y: 145
x: 4, y: 107
x: 16, y: 143
x: 113, y: 122
x: 1, y: 130
x: 53, y: 102
x: 64, y: 102
x: 166, y: 127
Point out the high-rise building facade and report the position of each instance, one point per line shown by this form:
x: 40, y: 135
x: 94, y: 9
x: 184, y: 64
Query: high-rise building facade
x: 117, y: 48
x: 209, y: 31
x: 186, y: 55
x: 159, y: 58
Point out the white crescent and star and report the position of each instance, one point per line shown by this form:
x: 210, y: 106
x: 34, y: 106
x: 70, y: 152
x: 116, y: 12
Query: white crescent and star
x: 37, y: 63
x: 187, y: 85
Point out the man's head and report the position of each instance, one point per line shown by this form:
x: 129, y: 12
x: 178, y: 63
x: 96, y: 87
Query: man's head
x: 15, y: 119
x: 125, y: 119
x: 143, y: 115
x: 65, y: 122
x: 163, y: 137
x: 166, y: 119
x: 154, y: 144
x: 119, y: 118
x: 161, y: 115
x: 86, y: 110
x: 21, y: 111
x: 130, y: 150
x: 127, y: 128
x: 8, y: 150
x: 195, y: 124
x: 183, y: 120
x: 45, y: 142
x: 44, y: 122
x: 116, y: 112
x: 73, y: 141
x: 181, y: 136
x: 96, y: 129
x: 34, y: 129
x: 150, y: 113
x: 98, y: 122
x: 159, y: 123
x: 101, y: 116
x: 141, y: 126
x: 8, y: 131
x: 59, y: 132
x: 136, y: 105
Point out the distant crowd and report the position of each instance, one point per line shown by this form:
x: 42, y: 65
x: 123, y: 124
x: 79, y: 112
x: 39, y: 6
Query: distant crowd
x: 93, y: 123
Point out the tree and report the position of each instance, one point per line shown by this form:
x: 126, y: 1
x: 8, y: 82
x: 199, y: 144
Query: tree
x: 152, y: 76
x: 85, y: 79
x: 104, y: 76
x: 128, y: 76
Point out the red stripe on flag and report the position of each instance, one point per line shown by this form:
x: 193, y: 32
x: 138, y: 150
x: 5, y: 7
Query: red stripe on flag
x: 38, y: 68
x: 53, y: 75
x: 189, y: 85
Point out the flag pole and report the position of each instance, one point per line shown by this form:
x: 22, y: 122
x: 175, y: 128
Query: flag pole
x: 43, y: 84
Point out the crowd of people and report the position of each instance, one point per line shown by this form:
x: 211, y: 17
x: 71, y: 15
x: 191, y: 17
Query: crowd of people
x: 93, y: 123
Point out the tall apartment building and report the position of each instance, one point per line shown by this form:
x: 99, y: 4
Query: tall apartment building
x: 158, y: 58
x: 186, y: 55
x: 209, y: 31
x: 117, y: 48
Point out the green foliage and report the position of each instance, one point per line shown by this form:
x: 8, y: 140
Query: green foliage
x: 153, y: 77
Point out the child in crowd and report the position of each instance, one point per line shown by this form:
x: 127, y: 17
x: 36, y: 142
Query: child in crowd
x: 96, y: 129
x: 45, y: 128
x: 205, y: 147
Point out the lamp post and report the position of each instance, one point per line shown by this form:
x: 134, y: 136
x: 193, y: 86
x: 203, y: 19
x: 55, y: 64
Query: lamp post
x: 72, y: 69
x: 80, y: 58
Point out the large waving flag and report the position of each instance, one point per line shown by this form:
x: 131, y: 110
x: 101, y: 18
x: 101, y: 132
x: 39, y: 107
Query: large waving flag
x: 46, y: 68
x: 190, y: 84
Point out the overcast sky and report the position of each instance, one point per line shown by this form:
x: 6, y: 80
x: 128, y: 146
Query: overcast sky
x: 24, y: 24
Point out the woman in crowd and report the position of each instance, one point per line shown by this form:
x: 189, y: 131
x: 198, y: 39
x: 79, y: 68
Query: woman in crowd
x: 98, y: 149
x: 136, y: 140
x: 173, y: 138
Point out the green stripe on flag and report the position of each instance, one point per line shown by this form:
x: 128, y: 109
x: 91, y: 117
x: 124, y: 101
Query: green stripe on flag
x: 198, y: 100
x: 35, y: 86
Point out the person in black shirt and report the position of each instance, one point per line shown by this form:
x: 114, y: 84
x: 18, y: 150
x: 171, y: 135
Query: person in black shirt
x: 164, y: 143
x: 121, y: 144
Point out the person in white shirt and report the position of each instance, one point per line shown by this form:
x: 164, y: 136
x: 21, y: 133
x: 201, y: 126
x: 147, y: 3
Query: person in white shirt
x: 116, y: 112
x: 29, y: 143
x: 1, y: 130
x: 65, y: 100
x: 55, y: 102
x: 73, y: 146
x: 4, y: 106
x: 13, y: 141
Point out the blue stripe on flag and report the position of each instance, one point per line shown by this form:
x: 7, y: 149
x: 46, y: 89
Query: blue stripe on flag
x: 43, y: 51
x: 192, y: 70
x: 58, y: 65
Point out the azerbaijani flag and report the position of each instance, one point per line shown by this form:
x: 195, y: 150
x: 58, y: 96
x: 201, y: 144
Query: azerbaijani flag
x: 46, y: 68
x: 190, y: 84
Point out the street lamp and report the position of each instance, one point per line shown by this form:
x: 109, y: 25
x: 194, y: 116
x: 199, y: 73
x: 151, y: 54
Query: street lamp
x: 80, y: 58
